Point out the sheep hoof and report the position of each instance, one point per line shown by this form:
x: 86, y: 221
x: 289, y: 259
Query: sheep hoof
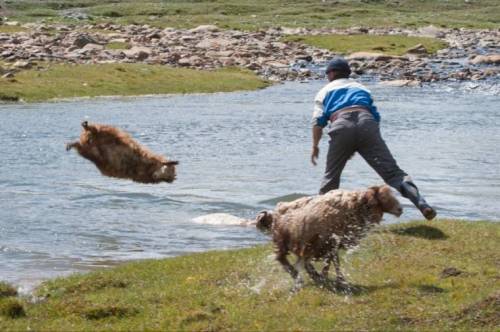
x: 298, y: 285
x: 341, y: 285
x: 69, y: 146
x: 85, y: 124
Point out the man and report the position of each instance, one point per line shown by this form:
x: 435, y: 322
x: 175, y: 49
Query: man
x: 354, y: 127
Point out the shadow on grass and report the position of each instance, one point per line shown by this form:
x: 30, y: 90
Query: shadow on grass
x: 421, y: 231
x: 354, y: 289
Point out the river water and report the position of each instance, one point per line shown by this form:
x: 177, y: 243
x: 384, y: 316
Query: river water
x: 239, y: 152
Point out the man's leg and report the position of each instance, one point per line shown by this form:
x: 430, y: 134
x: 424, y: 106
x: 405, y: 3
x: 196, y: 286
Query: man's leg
x: 341, y: 148
x: 376, y: 153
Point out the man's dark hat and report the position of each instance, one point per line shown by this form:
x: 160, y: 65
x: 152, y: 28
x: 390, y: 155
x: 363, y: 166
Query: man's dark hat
x: 338, y: 64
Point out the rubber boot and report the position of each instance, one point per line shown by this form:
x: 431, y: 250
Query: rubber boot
x: 410, y: 191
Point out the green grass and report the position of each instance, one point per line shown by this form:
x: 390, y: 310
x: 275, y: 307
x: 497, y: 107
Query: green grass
x: 68, y: 81
x: 117, y: 46
x: 396, y: 276
x: 390, y: 44
x: 11, y: 29
x: 256, y: 14
x: 7, y: 290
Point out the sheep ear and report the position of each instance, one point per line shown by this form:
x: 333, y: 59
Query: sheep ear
x: 371, y: 196
x: 171, y: 163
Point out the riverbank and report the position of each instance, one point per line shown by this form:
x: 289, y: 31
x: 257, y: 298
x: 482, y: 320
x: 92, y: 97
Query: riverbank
x: 50, y: 81
x: 261, y: 14
x: 422, y: 55
x: 441, y: 275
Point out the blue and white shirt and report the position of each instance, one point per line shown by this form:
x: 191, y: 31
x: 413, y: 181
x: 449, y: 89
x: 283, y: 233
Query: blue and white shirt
x: 339, y: 94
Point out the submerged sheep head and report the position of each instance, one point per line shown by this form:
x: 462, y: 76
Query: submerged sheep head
x: 264, y: 221
x: 385, y: 199
x: 166, y: 172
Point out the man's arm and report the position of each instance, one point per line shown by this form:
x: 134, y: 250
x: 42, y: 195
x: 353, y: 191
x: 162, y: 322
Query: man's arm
x: 317, y: 132
x: 318, y: 122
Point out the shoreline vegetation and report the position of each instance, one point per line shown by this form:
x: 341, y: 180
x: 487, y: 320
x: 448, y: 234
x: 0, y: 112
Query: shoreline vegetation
x: 404, y: 41
x: 396, y: 45
x: 440, y: 275
x: 261, y: 14
x: 62, y: 81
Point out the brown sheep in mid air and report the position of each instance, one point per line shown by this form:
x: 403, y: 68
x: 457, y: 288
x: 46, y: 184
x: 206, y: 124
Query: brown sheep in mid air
x: 116, y: 154
x: 316, y: 227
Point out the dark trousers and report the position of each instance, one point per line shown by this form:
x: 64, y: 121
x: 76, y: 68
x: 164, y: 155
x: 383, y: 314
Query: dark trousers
x: 358, y: 132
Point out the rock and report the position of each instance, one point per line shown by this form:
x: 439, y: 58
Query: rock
x: 293, y: 31
x: 277, y: 64
x: 11, y: 23
x: 363, y: 56
x: 450, y: 272
x: 254, y: 66
x: 431, y: 31
x: 93, y: 47
x: 486, y: 59
x: 22, y: 64
x: 401, y: 83
x: 214, y: 43
x: 205, y: 28
x: 9, y: 74
x: 306, y: 58
x: 138, y: 53
x: 82, y: 40
x: 417, y: 49
x: 190, y: 61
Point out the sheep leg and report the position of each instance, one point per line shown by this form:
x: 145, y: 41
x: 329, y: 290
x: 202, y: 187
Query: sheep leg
x: 315, y: 276
x: 299, y: 265
x: 287, y: 266
x: 336, y: 262
x: 326, y: 268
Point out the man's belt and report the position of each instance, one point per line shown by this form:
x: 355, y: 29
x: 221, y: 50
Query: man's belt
x: 349, y: 109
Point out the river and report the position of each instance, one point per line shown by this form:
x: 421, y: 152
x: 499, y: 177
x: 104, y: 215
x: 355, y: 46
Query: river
x: 239, y: 152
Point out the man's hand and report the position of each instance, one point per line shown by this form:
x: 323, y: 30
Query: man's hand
x: 314, y: 155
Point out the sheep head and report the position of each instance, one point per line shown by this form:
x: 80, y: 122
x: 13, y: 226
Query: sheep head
x: 383, y: 197
x: 264, y: 220
x: 166, y: 172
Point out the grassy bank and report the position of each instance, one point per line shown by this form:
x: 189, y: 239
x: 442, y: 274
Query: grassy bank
x: 402, y: 278
x: 68, y: 81
x: 265, y: 13
x: 390, y: 44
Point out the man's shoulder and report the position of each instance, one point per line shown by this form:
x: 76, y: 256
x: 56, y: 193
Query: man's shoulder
x: 344, y: 83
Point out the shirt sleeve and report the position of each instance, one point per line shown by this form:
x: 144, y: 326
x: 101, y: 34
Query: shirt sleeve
x: 319, y: 118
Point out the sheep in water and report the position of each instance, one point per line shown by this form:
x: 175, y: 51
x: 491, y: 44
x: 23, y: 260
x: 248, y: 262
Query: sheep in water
x: 315, y: 228
x: 116, y: 154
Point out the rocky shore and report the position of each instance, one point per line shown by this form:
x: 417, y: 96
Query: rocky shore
x: 471, y: 54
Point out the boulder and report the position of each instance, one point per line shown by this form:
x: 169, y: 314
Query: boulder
x: 205, y: 28
x: 21, y: 64
x: 400, y: 83
x: 431, y: 31
x: 9, y: 74
x: 83, y: 39
x: 363, y: 56
x: 417, y: 49
x: 93, y: 47
x: 214, y: 43
x: 486, y: 59
x: 190, y: 61
x: 138, y: 53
